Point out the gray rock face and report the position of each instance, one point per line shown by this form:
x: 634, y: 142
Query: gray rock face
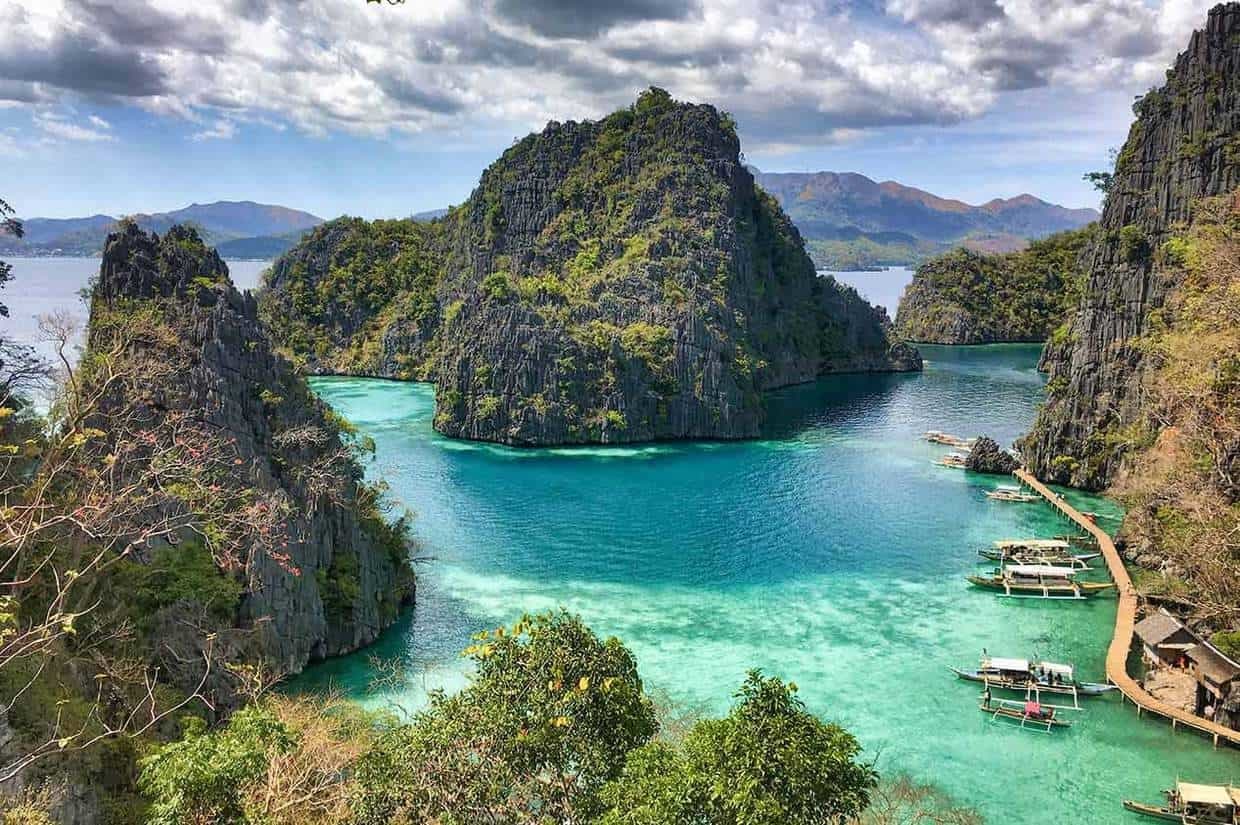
x: 239, y: 387
x: 655, y: 292
x: 611, y: 281
x: 1183, y: 146
x: 987, y: 457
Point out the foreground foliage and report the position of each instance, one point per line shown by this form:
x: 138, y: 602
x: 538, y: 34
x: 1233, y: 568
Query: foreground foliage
x: 555, y: 727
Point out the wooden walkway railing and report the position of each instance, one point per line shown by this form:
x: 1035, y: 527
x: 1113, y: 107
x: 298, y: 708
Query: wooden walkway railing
x: 1125, y: 619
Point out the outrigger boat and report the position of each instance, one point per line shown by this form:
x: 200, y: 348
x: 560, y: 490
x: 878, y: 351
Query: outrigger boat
x: 1193, y: 804
x: 1077, y: 561
x: 1006, y: 492
x: 1038, y: 551
x: 1031, y: 677
x: 938, y: 437
x: 956, y: 460
x: 1029, y: 712
x: 1032, y: 544
x: 1038, y: 581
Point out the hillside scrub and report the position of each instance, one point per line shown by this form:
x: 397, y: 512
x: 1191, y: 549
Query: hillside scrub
x: 1180, y: 478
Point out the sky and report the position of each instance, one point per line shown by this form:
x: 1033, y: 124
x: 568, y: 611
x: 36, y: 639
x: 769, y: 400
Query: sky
x: 386, y: 109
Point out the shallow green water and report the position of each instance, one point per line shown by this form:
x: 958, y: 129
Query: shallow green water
x: 831, y: 554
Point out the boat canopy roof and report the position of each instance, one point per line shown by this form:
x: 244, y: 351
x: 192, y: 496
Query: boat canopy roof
x: 1012, y: 488
x: 1041, y: 570
x: 1204, y: 794
x: 1056, y: 667
x: 1042, y: 544
x: 999, y: 663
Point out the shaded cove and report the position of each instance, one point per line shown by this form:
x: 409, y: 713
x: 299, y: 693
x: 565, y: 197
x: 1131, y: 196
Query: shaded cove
x: 832, y: 552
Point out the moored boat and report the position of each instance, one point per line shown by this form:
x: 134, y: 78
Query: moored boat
x: 1077, y: 561
x: 1038, y: 581
x: 939, y: 437
x: 1030, y: 713
x: 956, y: 460
x: 1030, y: 676
x: 1006, y: 492
x: 1194, y: 804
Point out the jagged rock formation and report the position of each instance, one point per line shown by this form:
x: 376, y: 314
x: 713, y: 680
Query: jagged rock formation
x: 986, y: 456
x: 332, y: 575
x: 611, y: 281
x: 965, y: 297
x: 1185, y: 144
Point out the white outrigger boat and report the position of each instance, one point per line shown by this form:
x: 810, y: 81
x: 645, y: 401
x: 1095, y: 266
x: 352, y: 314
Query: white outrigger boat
x: 939, y: 437
x: 1032, y: 678
x: 1038, y: 551
x: 1007, y: 492
x: 1193, y: 804
x: 1038, y: 581
x: 956, y: 460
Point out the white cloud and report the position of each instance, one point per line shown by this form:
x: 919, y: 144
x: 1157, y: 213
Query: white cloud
x: 57, y: 127
x: 800, y: 72
x: 99, y: 122
x: 221, y: 130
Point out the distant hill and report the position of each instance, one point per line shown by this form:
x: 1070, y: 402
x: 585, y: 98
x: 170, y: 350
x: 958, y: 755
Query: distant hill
x: 826, y: 205
x: 237, y: 228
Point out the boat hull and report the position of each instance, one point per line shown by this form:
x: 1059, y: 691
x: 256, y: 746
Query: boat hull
x: 1019, y: 716
x: 1033, y: 557
x: 1168, y: 815
x: 1082, y: 688
x: 1082, y: 590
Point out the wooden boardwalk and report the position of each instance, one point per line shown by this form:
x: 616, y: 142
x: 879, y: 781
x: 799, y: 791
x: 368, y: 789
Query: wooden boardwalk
x: 1125, y: 619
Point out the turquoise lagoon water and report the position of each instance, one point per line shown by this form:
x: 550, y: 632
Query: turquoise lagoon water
x: 832, y: 553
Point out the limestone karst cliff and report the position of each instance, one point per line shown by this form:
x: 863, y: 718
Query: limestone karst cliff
x: 321, y: 572
x: 608, y: 281
x: 1183, y: 145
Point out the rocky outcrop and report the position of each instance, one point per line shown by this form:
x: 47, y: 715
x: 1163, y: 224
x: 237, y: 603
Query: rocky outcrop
x: 966, y: 297
x: 611, y: 281
x: 986, y: 456
x: 1182, y: 146
x: 326, y: 574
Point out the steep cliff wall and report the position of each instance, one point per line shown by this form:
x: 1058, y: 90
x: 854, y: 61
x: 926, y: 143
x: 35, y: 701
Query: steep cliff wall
x: 609, y: 281
x: 321, y: 572
x: 1184, y: 144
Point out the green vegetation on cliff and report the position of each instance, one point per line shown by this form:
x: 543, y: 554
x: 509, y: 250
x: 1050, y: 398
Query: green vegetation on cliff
x: 611, y: 280
x: 967, y: 297
x: 329, y: 300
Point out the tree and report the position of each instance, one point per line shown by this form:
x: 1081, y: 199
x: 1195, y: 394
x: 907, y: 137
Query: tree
x: 769, y: 762
x: 1104, y: 181
x: 547, y: 720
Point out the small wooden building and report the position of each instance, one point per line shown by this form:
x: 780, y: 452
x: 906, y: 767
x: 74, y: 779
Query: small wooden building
x: 1165, y: 641
x: 1216, y: 675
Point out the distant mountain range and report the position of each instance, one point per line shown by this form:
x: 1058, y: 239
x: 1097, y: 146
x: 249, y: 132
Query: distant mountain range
x: 848, y: 221
x: 239, y: 229
x: 851, y: 221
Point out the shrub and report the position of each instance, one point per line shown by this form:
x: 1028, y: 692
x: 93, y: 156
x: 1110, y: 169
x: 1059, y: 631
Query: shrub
x: 497, y: 286
x: 769, y: 762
